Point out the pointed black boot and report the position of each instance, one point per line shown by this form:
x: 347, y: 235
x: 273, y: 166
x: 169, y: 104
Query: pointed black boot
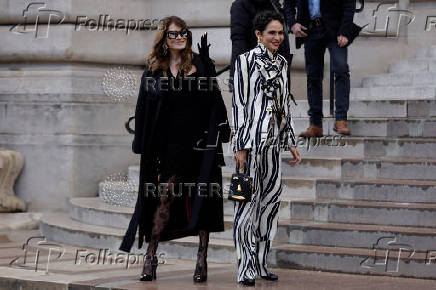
x: 149, y: 269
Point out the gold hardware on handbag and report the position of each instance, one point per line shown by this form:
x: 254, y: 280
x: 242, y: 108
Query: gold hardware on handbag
x: 241, y: 186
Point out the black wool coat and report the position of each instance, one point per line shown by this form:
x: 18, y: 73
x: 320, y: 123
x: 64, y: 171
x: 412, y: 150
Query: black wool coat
x: 337, y: 16
x: 207, y: 213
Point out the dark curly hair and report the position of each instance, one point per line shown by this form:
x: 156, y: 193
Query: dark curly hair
x: 262, y: 19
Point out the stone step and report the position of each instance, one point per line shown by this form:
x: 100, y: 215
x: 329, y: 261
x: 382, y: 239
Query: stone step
x: 373, y: 262
x: 413, y: 65
x: 122, y: 194
x: 58, y: 227
x: 328, y: 167
x: 365, y: 212
x: 359, y: 147
x: 385, y: 190
x: 356, y: 235
x: 335, y: 167
x: 284, y: 210
x: 389, y: 168
x: 415, y: 79
x: 394, y: 92
x: 293, y: 187
x: 91, y: 211
x: 376, y: 108
x: 397, y: 147
x: 378, y: 127
x: 346, y: 147
x: 282, y: 235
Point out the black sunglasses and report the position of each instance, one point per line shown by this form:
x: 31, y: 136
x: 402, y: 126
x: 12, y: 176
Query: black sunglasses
x: 173, y: 34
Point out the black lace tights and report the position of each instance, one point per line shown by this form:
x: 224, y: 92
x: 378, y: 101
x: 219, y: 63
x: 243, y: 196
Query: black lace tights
x: 160, y: 220
x: 161, y: 216
x: 202, y: 248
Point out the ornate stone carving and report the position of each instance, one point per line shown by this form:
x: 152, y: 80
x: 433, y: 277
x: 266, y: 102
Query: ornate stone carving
x: 11, y: 164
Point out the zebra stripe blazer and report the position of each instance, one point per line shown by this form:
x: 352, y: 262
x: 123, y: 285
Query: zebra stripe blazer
x: 260, y: 92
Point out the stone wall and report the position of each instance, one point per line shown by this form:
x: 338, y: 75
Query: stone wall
x: 52, y: 106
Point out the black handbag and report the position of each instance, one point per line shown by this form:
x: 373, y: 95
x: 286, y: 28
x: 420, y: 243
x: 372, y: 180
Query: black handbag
x: 241, y: 186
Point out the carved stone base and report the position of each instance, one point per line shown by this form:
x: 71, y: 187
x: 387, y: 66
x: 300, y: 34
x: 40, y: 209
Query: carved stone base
x: 11, y: 164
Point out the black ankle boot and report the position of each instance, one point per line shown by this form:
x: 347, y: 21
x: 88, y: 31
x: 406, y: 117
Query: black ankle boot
x: 149, y: 269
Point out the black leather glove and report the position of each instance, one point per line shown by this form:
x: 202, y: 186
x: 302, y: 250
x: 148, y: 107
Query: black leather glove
x: 203, y: 47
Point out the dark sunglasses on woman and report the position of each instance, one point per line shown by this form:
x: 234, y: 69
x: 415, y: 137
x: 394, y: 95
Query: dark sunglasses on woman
x: 173, y: 34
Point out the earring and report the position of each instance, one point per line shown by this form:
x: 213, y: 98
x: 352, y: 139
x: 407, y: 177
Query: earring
x: 165, y: 48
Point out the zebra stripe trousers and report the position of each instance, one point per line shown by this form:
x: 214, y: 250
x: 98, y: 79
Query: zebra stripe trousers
x: 255, y: 222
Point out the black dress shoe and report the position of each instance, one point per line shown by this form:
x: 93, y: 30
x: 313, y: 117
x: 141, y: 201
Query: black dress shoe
x: 248, y: 282
x: 270, y: 277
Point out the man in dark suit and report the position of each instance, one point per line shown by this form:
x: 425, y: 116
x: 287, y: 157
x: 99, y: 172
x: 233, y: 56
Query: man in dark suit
x: 322, y: 24
x: 242, y: 29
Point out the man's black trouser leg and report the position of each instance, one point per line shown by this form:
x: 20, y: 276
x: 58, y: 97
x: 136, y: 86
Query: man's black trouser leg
x: 314, y: 49
x: 338, y: 61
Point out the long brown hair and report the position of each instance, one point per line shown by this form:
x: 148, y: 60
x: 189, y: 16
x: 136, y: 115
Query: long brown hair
x: 157, y: 59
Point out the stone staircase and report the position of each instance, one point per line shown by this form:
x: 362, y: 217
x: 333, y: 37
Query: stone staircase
x: 364, y: 204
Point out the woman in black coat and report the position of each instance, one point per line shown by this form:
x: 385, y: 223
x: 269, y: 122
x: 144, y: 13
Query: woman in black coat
x: 180, y: 125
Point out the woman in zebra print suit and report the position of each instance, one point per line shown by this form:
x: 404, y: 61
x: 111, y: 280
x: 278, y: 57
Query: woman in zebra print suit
x: 262, y: 126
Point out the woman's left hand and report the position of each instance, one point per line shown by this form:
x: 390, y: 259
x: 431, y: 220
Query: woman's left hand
x: 296, y: 154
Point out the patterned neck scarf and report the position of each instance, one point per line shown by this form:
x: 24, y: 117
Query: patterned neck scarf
x: 269, y: 66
